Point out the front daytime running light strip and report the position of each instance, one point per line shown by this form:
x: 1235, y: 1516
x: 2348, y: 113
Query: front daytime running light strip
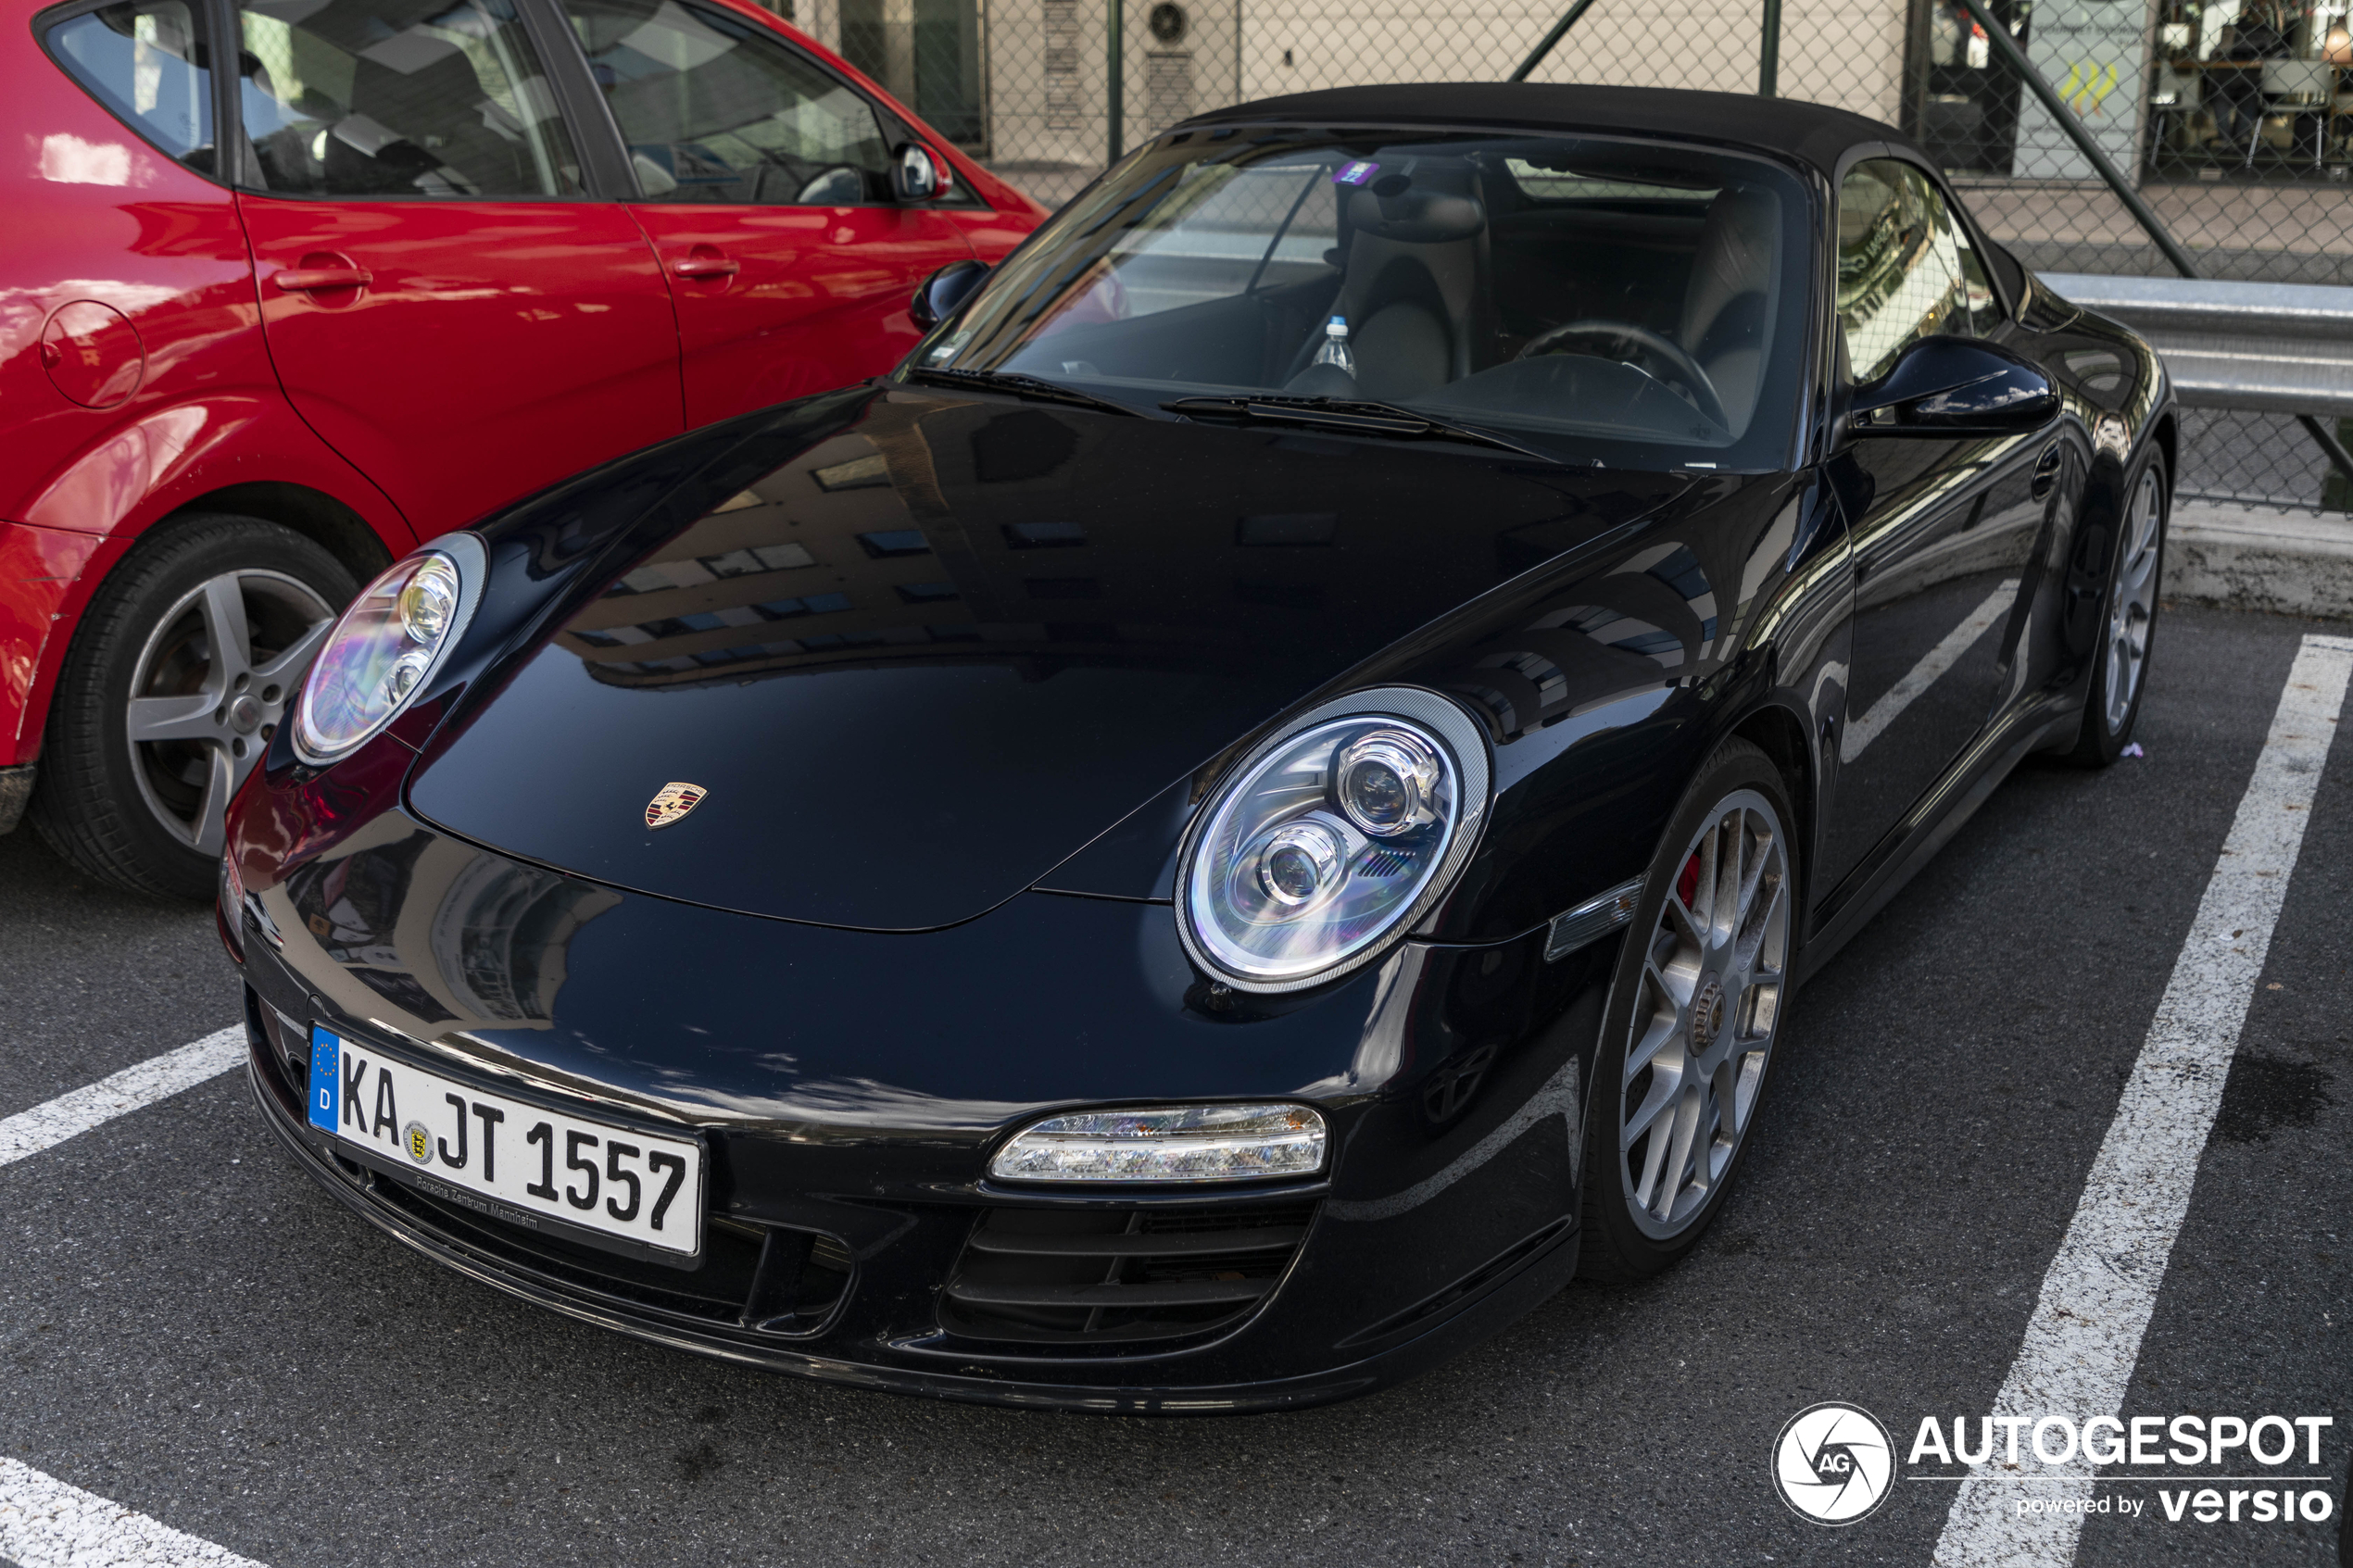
x: 1200, y: 1143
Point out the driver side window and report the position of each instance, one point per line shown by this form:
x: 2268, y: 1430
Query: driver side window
x: 714, y: 112
x: 1905, y: 268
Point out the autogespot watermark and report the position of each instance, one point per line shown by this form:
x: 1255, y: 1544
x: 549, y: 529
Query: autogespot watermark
x: 1834, y: 1463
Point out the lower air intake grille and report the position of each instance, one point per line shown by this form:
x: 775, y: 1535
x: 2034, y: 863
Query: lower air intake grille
x: 1102, y: 1276
x: 767, y: 1279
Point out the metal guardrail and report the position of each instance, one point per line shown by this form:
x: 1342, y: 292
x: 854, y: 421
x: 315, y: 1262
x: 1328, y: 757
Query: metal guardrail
x: 2272, y: 347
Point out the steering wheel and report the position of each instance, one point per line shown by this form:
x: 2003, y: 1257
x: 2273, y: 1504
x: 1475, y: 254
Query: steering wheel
x: 1612, y: 340
x: 838, y: 186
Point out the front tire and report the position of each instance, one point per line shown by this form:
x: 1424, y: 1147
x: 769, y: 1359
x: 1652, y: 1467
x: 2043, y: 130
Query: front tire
x: 1696, y: 1007
x: 2128, y: 625
x: 182, y: 669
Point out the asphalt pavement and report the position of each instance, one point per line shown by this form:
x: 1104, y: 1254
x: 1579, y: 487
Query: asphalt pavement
x: 189, y: 1327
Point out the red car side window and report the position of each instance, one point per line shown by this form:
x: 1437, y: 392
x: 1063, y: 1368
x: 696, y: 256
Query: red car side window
x: 714, y: 111
x: 143, y: 61
x: 336, y: 103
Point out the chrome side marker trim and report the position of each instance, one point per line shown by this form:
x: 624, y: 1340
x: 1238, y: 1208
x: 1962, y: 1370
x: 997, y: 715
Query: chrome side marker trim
x: 1592, y: 921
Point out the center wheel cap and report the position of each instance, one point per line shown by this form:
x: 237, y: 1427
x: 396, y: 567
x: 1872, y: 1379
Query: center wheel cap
x: 244, y: 715
x: 1708, y: 1015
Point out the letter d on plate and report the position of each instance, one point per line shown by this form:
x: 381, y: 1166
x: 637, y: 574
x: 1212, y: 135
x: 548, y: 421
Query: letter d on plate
x: 326, y: 1059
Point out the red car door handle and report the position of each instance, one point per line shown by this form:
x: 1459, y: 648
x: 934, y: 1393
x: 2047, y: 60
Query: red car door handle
x: 302, y: 279
x: 699, y: 267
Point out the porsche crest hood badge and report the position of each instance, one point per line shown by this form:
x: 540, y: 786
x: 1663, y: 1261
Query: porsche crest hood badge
x: 672, y: 802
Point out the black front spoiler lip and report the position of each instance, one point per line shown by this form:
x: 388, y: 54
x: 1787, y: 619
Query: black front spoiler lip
x: 1294, y: 1393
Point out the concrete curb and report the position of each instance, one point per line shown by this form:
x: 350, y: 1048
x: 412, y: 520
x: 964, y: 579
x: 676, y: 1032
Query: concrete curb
x: 2252, y: 557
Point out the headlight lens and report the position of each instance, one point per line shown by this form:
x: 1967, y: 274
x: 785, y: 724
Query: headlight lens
x: 1342, y: 830
x: 384, y: 646
x: 1197, y: 1143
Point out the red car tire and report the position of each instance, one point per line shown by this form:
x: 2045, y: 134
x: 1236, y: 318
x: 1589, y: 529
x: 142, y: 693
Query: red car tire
x: 152, y: 728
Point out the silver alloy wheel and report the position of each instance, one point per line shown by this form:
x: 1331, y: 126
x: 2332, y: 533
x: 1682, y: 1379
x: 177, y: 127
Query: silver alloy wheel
x: 210, y: 687
x: 1705, y: 1011
x: 2133, y: 597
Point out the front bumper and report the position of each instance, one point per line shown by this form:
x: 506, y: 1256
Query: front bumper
x: 850, y: 1087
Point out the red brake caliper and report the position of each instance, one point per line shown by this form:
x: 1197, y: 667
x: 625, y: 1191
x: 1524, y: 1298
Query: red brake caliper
x: 1687, y: 884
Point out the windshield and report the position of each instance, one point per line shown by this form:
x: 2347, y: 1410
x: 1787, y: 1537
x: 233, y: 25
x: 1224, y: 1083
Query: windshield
x: 1602, y: 299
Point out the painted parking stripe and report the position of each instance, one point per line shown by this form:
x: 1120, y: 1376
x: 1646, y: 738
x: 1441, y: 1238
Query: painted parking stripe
x: 2084, y: 1336
x: 47, y: 1125
x: 1921, y: 676
x: 46, y: 1523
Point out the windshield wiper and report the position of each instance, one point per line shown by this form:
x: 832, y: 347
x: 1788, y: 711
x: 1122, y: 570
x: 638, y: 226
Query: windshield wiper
x: 1037, y: 388
x: 1357, y: 415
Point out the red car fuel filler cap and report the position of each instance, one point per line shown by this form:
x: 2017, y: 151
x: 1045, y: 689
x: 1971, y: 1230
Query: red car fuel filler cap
x: 93, y: 354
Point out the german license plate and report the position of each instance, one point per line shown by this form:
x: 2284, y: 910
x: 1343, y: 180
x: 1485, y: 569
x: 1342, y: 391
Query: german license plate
x: 543, y: 1163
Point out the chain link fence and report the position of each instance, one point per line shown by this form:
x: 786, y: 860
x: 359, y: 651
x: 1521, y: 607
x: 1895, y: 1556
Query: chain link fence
x: 2233, y: 120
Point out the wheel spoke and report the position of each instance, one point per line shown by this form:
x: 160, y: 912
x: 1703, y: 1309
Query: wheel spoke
x: 175, y: 718
x: 1748, y: 1074
x: 228, y: 638
x: 1677, y: 976
x: 1664, y: 1027
x: 286, y: 668
x: 222, y: 775
x: 1721, y: 871
x: 1645, y: 1186
x: 1756, y: 858
x: 1657, y: 1097
x: 1769, y: 933
x: 1757, y: 919
x: 1682, y: 1134
x: 1711, y: 1148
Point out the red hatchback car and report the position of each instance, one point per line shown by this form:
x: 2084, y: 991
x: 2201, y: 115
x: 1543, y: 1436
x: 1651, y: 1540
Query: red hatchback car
x: 263, y: 331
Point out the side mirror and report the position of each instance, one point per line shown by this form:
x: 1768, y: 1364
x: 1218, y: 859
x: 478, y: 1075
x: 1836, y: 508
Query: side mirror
x: 944, y: 292
x: 1955, y: 387
x: 913, y: 174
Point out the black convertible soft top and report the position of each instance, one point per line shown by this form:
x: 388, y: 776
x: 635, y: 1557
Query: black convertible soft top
x: 1813, y: 133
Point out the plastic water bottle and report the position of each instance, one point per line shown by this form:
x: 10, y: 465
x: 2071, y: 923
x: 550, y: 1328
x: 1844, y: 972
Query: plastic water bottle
x: 1336, y: 352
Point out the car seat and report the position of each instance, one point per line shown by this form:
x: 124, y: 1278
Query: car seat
x: 440, y: 119
x: 1416, y: 294
x: 1727, y: 304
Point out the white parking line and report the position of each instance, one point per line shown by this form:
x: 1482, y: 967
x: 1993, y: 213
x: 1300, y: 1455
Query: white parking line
x: 46, y: 1523
x: 48, y: 1125
x: 2084, y: 1337
x: 1921, y: 676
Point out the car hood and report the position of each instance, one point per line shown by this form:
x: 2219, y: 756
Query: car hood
x: 908, y: 662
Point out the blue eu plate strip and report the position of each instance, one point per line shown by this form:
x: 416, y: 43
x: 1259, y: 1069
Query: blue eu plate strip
x: 326, y: 1065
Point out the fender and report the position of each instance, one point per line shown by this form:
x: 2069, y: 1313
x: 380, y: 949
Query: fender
x: 85, y: 517
x: 40, y: 568
x: 1608, y: 680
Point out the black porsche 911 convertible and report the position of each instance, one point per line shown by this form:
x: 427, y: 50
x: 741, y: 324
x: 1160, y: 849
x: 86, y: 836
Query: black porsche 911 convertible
x: 1256, y: 806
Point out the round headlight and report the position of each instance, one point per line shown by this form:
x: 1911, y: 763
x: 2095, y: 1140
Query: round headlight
x: 1387, y: 782
x: 1331, y: 838
x: 384, y: 647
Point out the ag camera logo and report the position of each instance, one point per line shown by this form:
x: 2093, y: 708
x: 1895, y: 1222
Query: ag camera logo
x: 1834, y: 1463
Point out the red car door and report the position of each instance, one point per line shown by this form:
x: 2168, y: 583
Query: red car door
x: 443, y: 301
x: 767, y: 194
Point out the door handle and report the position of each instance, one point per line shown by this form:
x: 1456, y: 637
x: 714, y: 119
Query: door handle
x: 2046, y: 471
x: 705, y: 265
x: 303, y: 280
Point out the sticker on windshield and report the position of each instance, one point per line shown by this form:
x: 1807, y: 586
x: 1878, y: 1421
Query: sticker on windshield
x: 1355, y: 173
